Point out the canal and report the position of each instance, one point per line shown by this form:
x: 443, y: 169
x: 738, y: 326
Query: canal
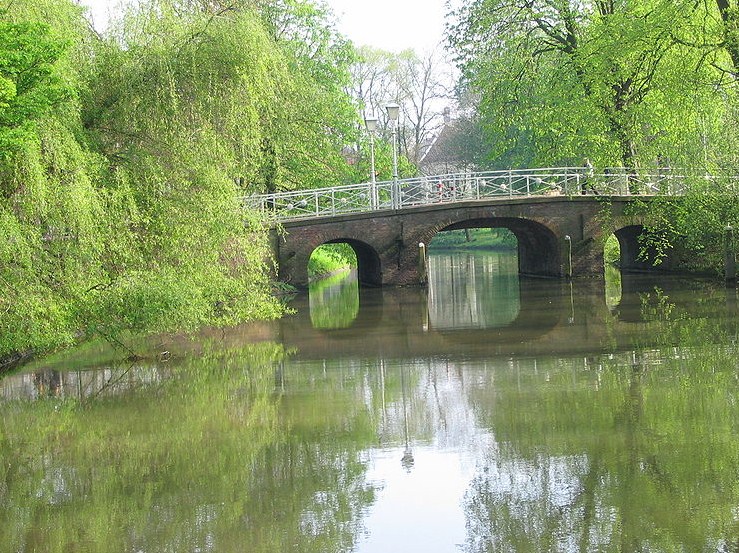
x: 485, y: 413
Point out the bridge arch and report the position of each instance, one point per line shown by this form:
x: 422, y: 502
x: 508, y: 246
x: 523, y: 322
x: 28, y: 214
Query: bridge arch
x: 538, y: 246
x: 369, y: 266
x: 631, y: 259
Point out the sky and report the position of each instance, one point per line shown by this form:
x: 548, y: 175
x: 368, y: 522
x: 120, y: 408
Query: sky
x: 387, y: 24
x: 391, y: 24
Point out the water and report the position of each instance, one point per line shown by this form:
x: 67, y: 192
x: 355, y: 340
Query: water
x: 488, y: 413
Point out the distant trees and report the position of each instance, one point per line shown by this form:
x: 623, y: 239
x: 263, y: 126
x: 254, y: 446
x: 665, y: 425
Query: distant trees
x: 420, y: 84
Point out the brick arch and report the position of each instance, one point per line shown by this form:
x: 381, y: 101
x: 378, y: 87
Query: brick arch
x: 369, y: 265
x: 539, y: 250
x: 628, y: 240
x: 541, y: 225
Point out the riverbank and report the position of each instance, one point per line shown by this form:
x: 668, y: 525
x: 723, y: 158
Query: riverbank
x: 13, y: 361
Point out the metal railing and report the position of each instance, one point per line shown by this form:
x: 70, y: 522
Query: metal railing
x: 463, y: 187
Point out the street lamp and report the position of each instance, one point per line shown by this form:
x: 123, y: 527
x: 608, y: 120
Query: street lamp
x: 393, y: 112
x: 371, y: 124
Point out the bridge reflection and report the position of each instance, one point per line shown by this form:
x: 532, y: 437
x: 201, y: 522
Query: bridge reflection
x: 536, y: 316
x: 520, y: 319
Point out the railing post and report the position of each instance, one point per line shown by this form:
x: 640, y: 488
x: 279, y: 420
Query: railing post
x: 528, y: 185
x: 510, y: 183
x: 422, y: 264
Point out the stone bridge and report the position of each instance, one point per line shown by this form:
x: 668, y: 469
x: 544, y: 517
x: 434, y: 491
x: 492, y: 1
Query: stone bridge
x: 560, y: 218
x: 558, y: 236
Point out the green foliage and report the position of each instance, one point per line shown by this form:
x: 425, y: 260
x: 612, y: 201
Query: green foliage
x: 329, y: 258
x: 612, y: 251
x: 561, y: 81
x: 474, y: 239
x: 334, y: 302
x: 124, y: 159
x: 29, y: 82
x: 693, y: 227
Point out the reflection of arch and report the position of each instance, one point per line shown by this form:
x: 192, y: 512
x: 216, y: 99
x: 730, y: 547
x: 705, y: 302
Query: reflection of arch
x: 542, y: 308
x: 538, y: 247
x: 640, y: 293
x: 334, y: 301
x: 472, y: 291
x: 369, y: 267
x: 628, y: 241
x: 364, y: 314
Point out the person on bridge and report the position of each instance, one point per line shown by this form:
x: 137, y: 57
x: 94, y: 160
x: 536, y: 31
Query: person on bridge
x: 587, y: 180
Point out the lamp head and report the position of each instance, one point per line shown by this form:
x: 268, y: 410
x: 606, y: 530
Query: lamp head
x: 371, y: 123
x: 393, y: 111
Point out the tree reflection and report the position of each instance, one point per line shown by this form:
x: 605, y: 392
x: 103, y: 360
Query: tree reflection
x: 206, y: 458
x: 468, y: 291
x: 334, y: 301
x: 634, y: 454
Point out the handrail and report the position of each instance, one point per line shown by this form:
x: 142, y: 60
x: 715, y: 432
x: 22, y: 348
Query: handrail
x: 461, y: 187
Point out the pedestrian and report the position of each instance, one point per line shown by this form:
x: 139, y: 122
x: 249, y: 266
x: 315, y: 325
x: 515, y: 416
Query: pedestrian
x: 587, y: 178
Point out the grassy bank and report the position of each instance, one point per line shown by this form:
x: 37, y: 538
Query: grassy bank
x: 474, y: 239
x: 329, y: 259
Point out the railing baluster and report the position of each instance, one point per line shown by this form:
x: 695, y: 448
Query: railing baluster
x: 428, y: 190
x: 510, y: 184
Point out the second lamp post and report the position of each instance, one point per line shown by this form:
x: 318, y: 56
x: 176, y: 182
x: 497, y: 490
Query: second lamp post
x: 393, y: 111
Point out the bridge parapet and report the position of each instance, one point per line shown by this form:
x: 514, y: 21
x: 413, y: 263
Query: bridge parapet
x: 463, y: 187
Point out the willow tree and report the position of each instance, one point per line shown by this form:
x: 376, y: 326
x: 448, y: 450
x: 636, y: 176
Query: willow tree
x: 49, y: 207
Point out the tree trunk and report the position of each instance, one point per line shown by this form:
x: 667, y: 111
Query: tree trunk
x: 730, y: 20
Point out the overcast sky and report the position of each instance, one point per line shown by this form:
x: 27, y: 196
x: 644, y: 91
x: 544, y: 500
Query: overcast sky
x: 388, y: 24
x: 391, y: 24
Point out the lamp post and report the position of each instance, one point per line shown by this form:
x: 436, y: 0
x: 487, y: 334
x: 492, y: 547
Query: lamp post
x: 393, y: 112
x: 371, y: 124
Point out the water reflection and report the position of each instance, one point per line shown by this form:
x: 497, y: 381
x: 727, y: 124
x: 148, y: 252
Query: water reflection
x: 573, y: 427
x: 468, y: 291
x: 613, y: 286
x: 334, y: 301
